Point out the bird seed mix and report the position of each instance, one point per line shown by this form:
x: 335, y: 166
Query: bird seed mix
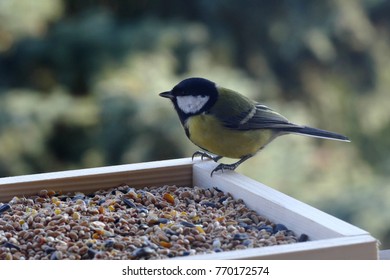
x: 128, y: 223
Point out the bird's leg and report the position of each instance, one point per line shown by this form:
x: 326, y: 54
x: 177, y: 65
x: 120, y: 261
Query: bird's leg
x: 206, y: 155
x: 232, y: 166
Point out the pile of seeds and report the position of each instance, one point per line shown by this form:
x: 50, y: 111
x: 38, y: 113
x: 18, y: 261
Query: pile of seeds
x: 127, y: 223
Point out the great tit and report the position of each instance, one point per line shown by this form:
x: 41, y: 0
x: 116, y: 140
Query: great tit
x: 227, y: 124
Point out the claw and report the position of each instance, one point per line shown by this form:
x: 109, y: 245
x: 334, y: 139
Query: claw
x: 222, y: 167
x: 205, y: 155
x: 199, y: 153
x: 231, y: 167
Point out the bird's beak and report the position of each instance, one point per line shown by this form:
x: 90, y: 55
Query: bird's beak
x: 166, y: 94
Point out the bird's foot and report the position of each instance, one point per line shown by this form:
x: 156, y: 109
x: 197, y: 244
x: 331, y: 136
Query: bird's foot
x: 222, y: 167
x: 205, y: 155
x: 231, y: 167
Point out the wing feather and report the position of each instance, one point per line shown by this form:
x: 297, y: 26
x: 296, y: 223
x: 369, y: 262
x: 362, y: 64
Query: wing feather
x: 236, y: 111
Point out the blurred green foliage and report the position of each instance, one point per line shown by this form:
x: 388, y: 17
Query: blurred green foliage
x: 79, y: 83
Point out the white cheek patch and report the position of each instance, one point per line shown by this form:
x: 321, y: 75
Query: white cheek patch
x: 191, y: 104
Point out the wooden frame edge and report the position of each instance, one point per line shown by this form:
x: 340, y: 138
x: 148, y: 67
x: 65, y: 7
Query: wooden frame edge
x: 175, y: 172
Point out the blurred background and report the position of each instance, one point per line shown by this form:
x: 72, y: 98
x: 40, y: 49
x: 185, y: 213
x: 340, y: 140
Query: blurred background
x: 79, y: 84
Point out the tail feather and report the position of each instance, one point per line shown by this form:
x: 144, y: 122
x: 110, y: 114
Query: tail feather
x: 315, y: 132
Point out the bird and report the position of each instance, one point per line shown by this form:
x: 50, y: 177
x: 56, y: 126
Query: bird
x: 225, y: 123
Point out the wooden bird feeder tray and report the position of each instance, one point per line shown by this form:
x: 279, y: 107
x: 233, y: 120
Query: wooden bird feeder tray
x: 330, y: 238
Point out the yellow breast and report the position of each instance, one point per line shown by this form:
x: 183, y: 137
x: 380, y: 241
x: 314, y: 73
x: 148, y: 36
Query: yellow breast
x: 206, y: 132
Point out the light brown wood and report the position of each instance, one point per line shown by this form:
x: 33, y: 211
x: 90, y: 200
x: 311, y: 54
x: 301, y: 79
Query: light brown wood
x: 174, y: 172
x: 345, y: 248
x: 275, y: 205
x: 330, y: 237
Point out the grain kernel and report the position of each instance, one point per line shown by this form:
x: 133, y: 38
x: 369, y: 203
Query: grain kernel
x: 169, y: 198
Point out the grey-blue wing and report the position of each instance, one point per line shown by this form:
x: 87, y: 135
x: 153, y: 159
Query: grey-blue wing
x: 264, y: 118
x: 259, y: 117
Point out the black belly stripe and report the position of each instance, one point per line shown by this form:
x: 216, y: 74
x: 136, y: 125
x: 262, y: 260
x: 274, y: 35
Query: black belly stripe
x: 187, y: 131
